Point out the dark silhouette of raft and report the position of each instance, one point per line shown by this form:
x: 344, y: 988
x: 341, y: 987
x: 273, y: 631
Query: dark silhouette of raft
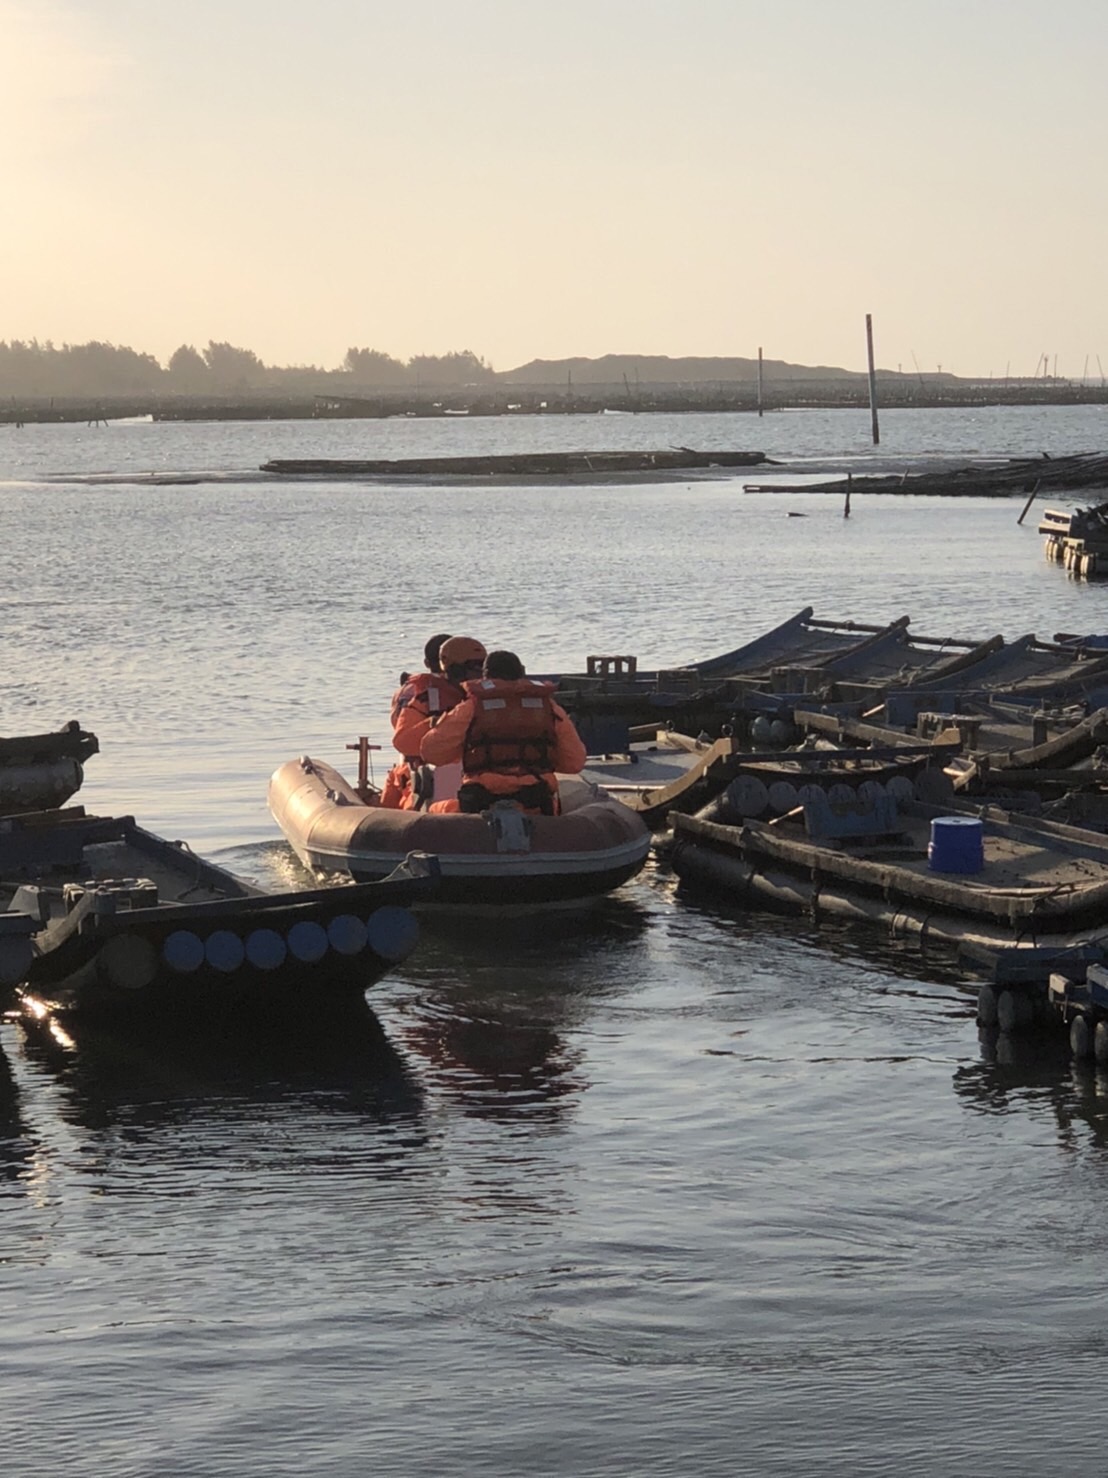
x: 41, y: 771
x: 1027, y: 475
x: 518, y: 464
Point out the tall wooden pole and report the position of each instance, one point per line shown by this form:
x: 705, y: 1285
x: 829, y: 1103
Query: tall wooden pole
x: 759, y: 379
x: 1030, y: 500
x: 872, y: 381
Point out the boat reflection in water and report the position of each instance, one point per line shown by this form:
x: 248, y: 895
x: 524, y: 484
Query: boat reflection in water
x: 259, y: 1078
x: 495, y: 1066
x: 16, y: 1148
x: 1038, y: 1075
x: 496, y: 1038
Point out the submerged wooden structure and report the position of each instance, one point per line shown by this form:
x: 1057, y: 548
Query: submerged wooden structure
x: 517, y: 464
x: 1005, y: 478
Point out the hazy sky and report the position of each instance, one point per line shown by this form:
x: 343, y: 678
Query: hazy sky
x: 580, y: 177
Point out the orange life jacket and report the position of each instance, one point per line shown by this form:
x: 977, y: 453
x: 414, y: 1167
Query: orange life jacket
x: 512, y: 730
x: 429, y: 691
x: 415, y: 707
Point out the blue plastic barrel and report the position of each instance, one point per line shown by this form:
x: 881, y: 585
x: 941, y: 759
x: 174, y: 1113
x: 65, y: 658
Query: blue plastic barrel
x: 957, y: 845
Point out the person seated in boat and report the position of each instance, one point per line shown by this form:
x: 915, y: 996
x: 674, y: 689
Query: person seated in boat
x: 417, y: 705
x: 510, y: 737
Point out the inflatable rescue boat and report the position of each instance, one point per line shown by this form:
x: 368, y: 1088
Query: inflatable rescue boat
x: 500, y: 859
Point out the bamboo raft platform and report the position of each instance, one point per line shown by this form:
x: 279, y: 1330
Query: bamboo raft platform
x: 849, y: 668
x: 1077, y: 540
x: 517, y: 464
x: 1026, y: 475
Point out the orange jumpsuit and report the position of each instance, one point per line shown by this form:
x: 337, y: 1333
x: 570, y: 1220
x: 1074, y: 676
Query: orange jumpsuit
x: 510, y: 737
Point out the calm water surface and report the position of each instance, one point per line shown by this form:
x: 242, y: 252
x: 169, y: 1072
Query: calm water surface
x: 680, y: 1190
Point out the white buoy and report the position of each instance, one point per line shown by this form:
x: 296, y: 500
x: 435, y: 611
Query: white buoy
x: 987, y: 1006
x: 308, y: 941
x: 266, y: 949
x: 1013, y: 1010
x: 747, y: 796
x: 1081, y: 1038
x: 901, y: 789
x: 224, y: 951
x: 129, y: 961
x: 347, y: 934
x: 183, y: 951
x: 783, y: 796
x: 392, y: 931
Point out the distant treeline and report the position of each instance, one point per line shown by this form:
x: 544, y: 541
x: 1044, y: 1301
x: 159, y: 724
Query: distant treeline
x: 33, y: 370
x: 44, y: 381
x: 29, y: 370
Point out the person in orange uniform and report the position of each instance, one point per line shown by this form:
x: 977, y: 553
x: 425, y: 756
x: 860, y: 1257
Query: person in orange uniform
x: 418, y: 704
x: 511, y: 738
